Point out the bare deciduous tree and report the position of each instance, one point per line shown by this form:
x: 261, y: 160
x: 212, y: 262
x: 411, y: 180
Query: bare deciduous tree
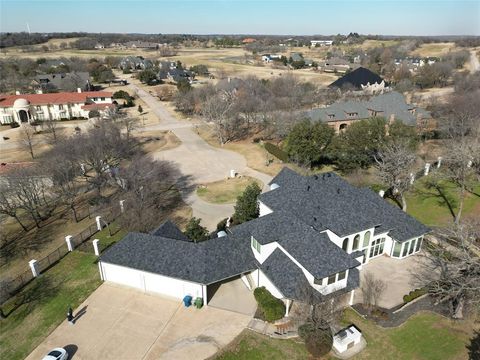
x: 151, y: 191
x: 217, y: 110
x: 372, y: 289
x: 51, y: 131
x: 27, y: 190
x: 461, y: 125
x: 394, y: 163
x: 27, y: 132
x: 450, y: 269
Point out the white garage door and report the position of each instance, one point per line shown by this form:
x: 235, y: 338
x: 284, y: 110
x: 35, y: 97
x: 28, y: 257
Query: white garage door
x: 149, y: 282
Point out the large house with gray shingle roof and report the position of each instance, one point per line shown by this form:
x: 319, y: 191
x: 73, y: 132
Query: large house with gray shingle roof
x: 391, y: 106
x: 312, y: 237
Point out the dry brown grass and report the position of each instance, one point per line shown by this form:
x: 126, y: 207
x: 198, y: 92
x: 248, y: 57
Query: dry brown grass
x: 154, y: 141
x: 257, y: 157
x: 434, y: 49
x: 225, y: 191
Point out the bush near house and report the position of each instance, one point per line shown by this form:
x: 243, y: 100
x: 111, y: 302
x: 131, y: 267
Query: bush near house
x: 412, y: 295
x: 271, y: 307
x: 276, y: 151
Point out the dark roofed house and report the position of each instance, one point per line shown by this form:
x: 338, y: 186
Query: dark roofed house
x: 391, y: 106
x: 63, y: 81
x: 360, y: 79
x: 309, y: 242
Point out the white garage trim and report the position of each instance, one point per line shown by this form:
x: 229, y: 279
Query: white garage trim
x: 150, y: 282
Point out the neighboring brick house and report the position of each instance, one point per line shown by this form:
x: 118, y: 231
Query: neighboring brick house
x: 26, y: 108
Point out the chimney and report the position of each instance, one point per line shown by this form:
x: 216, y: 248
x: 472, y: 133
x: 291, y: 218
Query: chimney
x: 17, y: 92
x: 79, y: 90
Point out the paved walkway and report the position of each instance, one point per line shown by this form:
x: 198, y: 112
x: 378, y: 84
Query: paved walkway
x: 126, y: 324
x: 398, y: 275
x: 196, y: 158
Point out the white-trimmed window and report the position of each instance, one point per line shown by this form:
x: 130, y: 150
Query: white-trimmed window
x: 342, y: 275
x: 419, y: 244
x: 331, y: 279
x: 366, y: 239
x: 256, y: 245
x: 356, y: 242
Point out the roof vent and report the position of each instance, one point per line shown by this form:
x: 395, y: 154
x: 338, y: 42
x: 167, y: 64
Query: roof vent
x: 315, y: 177
x: 274, y: 186
x: 338, y: 190
x: 308, y: 188
x: 314, y: 218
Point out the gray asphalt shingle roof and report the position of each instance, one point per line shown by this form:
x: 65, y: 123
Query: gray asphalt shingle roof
x: 357, y: 78
x: 170, y: 231
x: 291, y: 281
x: 384, y: 105
x: 205, y: 262
x: 326, y: 201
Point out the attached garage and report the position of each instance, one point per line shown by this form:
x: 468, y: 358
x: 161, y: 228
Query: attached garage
x: 151, y: 283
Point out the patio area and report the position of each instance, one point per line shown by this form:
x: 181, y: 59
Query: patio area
x: 397, y: 273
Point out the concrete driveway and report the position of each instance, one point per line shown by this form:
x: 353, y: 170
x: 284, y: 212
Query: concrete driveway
x: 196, y: 158
x: 232, y: 295
x: 121, y: 323
x: 397, y: 273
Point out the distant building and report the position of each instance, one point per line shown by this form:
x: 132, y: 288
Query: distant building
x: 248, y: 40
x: 360, y: 79
x: 268, y: 58
x: 296, y: 56
x: 138, y: 44
x: 99, y: 46
x: 314, y: 43
x: 62, y: 81
x: 391, y: 106
x: 26, y: 108
x: 135, y: 63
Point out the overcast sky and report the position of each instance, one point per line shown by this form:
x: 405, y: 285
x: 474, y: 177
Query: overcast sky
x: 244, y: 17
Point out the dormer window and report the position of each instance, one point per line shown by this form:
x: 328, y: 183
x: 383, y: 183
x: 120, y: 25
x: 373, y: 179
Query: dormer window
x: 352, y: 114
x: 331, y: 279
x: 256, y: 245
x: 331, y: 116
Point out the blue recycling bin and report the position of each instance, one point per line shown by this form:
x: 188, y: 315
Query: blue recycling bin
x: 187, y: 300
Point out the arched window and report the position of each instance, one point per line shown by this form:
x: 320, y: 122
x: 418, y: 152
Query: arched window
x: 366, y: 239
x: 356, y: 242
x: 345, y: 244
x: 343, y: 127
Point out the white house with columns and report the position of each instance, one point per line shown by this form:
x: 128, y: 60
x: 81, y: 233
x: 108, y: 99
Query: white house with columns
x: 311, y: 238
x: 26, y: 108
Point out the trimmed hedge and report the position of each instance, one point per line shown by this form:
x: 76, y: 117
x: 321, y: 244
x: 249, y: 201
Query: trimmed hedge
x: 412, y: 295
x: 271, y: 307
x: 276, y: 151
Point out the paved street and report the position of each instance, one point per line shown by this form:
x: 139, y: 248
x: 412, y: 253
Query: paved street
x: 197, y: 158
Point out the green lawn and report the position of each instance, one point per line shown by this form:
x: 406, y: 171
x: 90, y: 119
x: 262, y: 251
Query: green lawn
x: 437, y: 206
x: 104, y: 236
x: 425, y: 336
x: 42, y: 305
x: 253, y: 346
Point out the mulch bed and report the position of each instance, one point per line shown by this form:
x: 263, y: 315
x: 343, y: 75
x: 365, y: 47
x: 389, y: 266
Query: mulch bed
x: 387, y: 318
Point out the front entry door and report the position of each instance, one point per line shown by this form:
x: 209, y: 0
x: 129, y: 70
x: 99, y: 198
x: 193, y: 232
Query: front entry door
x: 23, y: 116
